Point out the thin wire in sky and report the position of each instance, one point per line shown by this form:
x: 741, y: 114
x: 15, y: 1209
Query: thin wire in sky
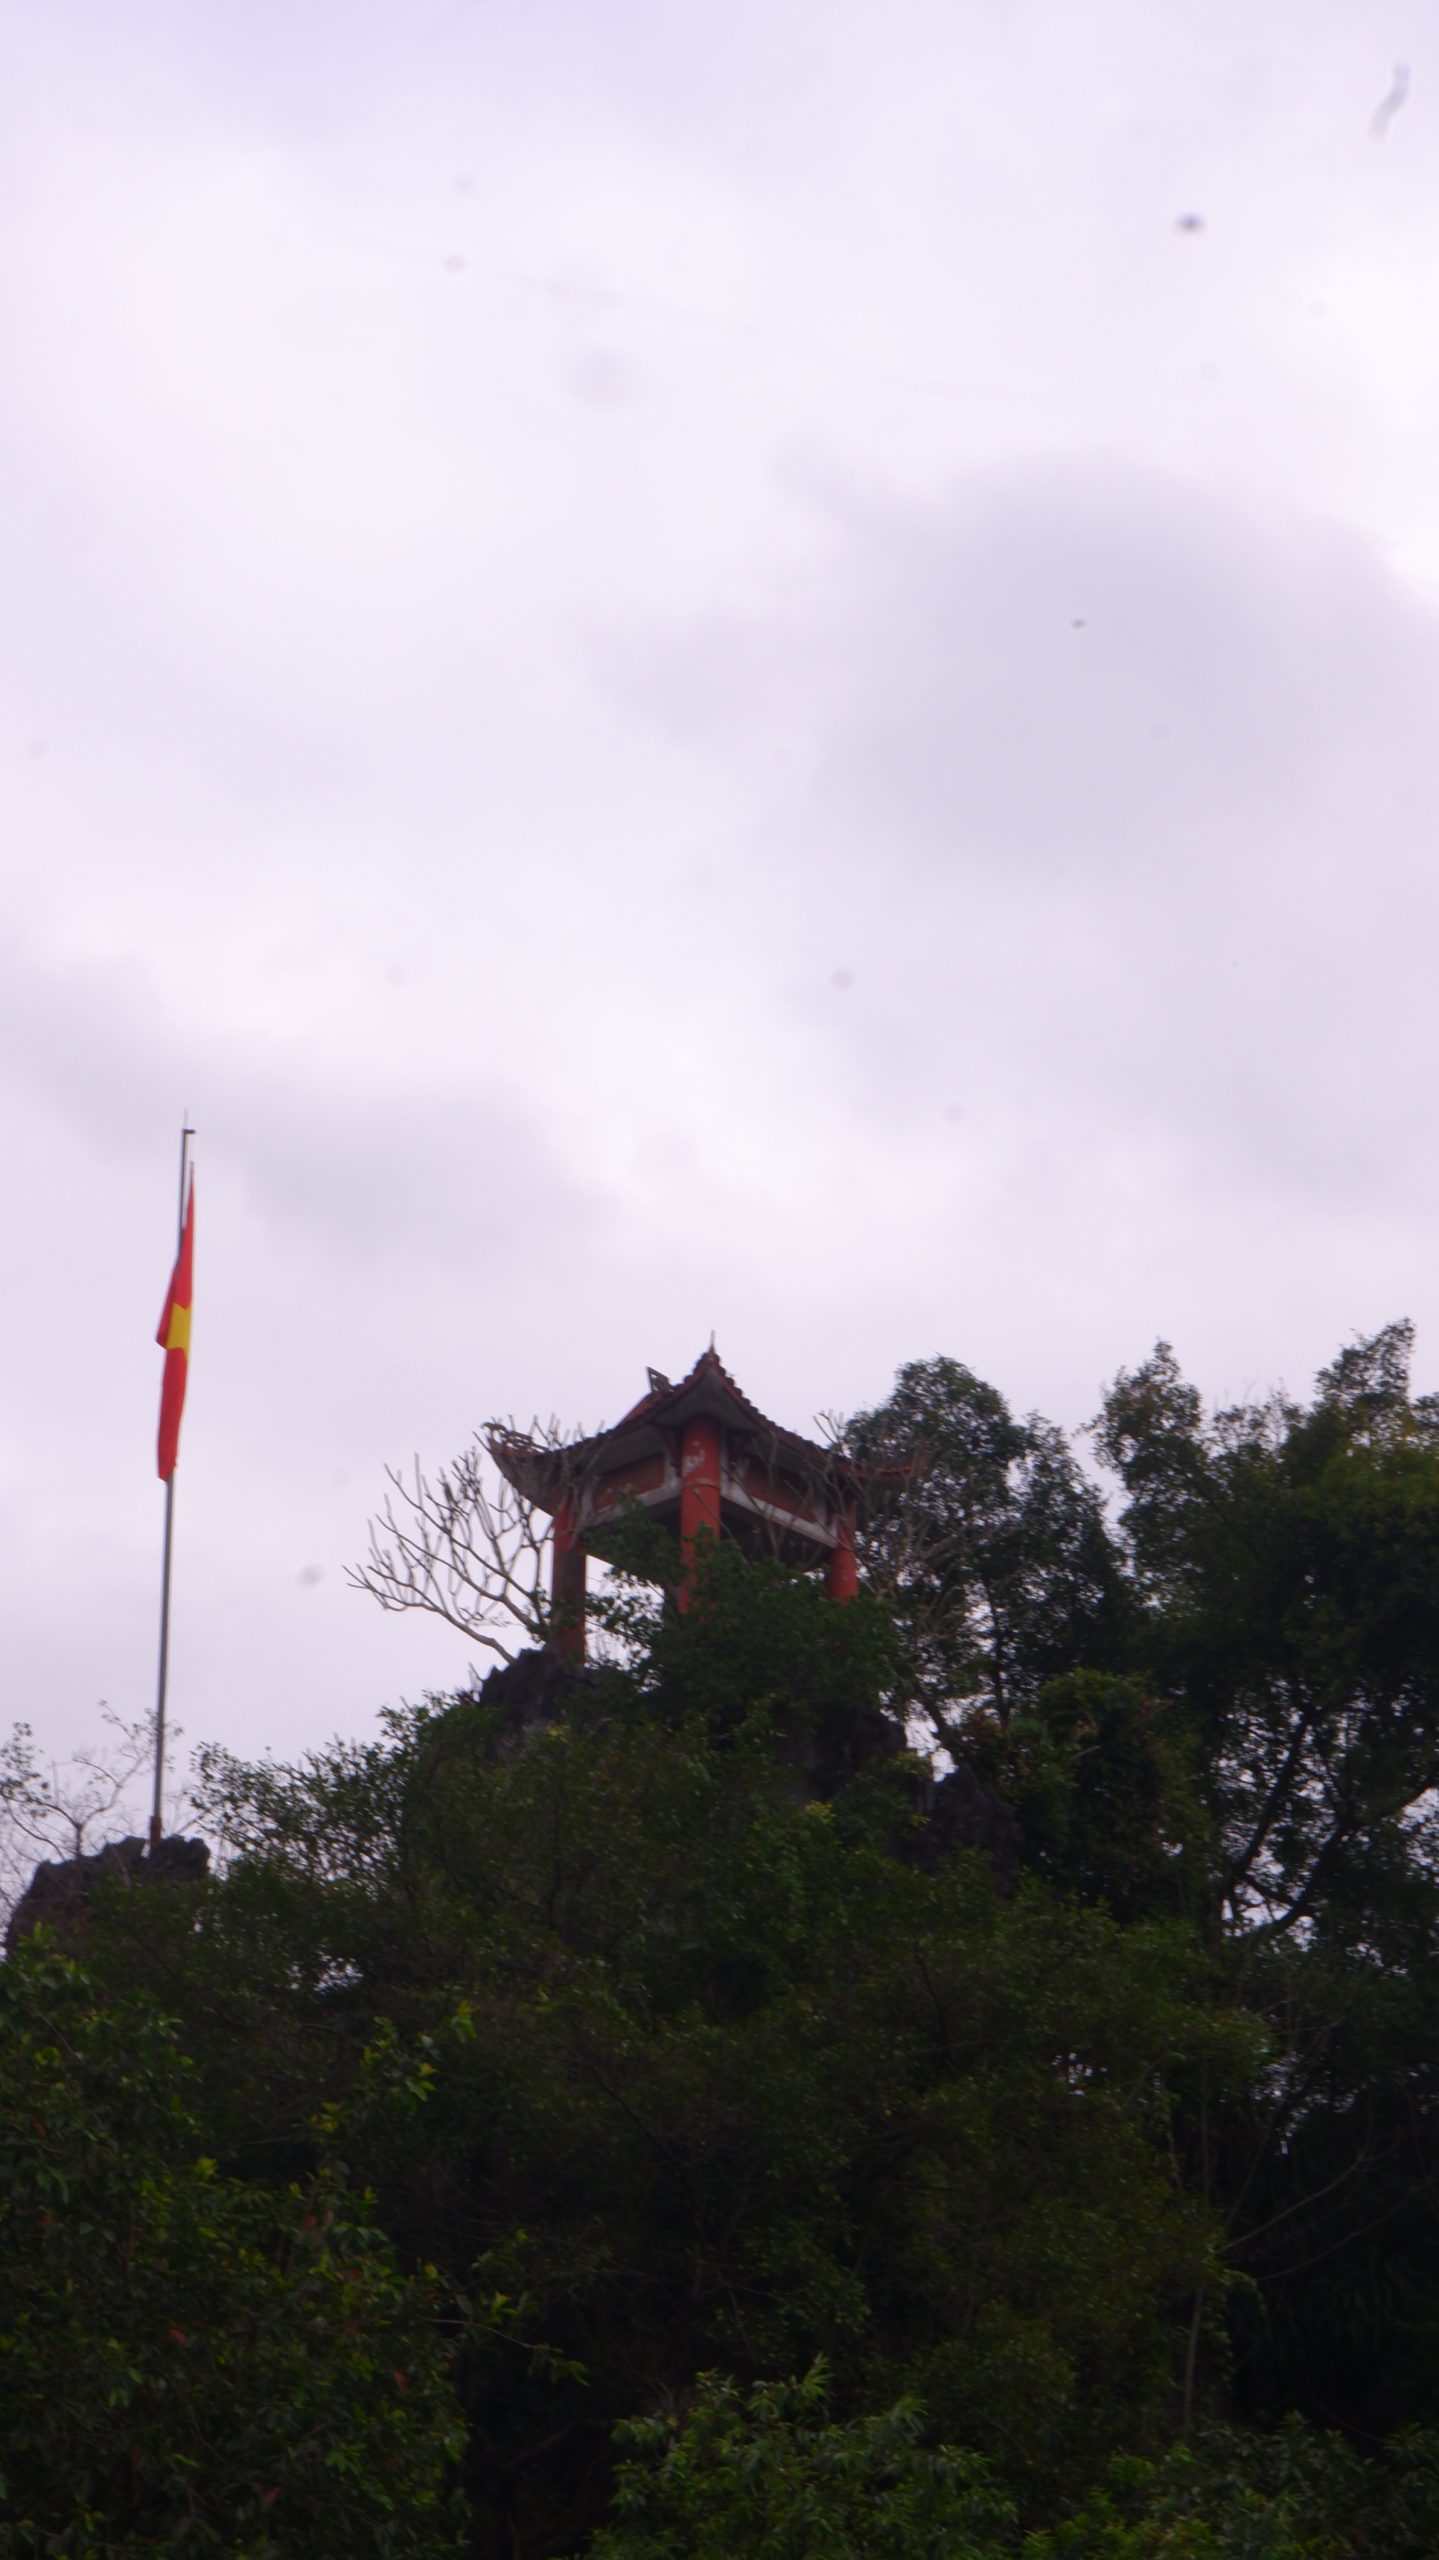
x: 674, y: 315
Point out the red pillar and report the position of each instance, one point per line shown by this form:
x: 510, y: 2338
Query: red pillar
x: 567, y: 1588
x: 841, y: 1579
x: 699, y: 1489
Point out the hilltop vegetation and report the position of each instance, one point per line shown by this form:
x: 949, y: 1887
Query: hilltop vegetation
x: 642, y: 2134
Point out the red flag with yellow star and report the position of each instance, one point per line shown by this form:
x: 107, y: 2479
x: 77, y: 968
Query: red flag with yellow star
x: 173, y: 1337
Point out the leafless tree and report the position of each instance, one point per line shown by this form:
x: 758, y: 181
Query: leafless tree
x: 470, y: 1545
x: 52, y: 1808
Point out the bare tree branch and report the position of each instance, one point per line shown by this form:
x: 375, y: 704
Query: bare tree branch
x: 467, y: 1545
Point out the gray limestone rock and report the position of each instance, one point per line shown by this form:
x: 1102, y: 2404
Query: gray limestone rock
x: 60, y: 1888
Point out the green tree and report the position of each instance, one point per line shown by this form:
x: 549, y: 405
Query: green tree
x: 768, y: 2473
x: 731, y: 2070
x: 1100, y: 1770
x: 189, y: 2364
x: 1285, y: 1559
x: 739, y: 2083
x: 1290, y: 2493
x: 986, y: 1541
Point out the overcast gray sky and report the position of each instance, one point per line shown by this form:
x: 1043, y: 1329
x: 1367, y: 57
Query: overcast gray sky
x: 767, y: 667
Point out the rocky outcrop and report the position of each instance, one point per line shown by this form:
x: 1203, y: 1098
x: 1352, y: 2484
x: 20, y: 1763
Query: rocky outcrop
x: 839, y: 1746
x: 60, y: 1889
x: 959, y: 1811
x: 528, y: 1695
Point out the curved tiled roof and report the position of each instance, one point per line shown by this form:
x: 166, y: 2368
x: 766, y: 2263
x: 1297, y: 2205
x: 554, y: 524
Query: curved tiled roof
x: 666, y: 1406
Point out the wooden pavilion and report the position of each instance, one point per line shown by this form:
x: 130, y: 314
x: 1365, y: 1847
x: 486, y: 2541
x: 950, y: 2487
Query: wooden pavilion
x: 698, y: 1458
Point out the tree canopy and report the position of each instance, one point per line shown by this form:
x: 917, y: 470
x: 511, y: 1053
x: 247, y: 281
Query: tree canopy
x: 635, y: 2121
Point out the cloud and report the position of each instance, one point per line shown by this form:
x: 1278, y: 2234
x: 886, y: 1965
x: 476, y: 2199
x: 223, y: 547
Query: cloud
x: 1119, y: 793
x: 683, y: 673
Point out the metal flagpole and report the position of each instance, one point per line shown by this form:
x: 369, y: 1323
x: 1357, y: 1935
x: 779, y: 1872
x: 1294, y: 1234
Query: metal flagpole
x: 156, y: 1833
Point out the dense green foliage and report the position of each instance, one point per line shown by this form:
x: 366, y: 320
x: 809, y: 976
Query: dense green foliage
x: 721, y: 2078
x: 989, y: 1543
x: 770, y: 2474
x: 1088, y: 2220
x: 190, y: 2363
